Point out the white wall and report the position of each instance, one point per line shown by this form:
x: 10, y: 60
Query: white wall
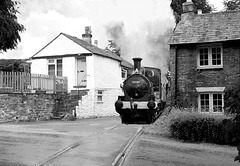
x: 61, y: 46
x: 105, y: 75
x: 89, y: 107
x: 39, y: 66
x: 107, y: 72
x: 90, y: 72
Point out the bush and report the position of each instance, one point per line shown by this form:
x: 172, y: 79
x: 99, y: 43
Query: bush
x: 199, y: 127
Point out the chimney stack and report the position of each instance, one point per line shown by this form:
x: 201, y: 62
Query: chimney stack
x: 96, y: 43
x: 188, y: 7
x: 87, y: 36
x: 137, y: 64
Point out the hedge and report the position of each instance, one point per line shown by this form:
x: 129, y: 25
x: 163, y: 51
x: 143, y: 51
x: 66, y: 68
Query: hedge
x: 201, y: 127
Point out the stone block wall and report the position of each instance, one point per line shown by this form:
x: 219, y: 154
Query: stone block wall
x: 90, y: 107
x: 185, y: 76
x: 25, y: 107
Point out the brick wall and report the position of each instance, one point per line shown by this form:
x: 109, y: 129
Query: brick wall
x: 188, y: 77
x: 90, y: 107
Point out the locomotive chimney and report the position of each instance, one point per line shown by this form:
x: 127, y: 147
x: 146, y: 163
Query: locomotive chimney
x: 137, y: 64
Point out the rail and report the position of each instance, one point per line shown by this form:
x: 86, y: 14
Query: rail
x: 22, y: 82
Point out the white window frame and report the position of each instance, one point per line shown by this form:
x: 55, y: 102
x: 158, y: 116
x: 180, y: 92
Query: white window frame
x: 99, y: 96
x: 210, y: 91
x: 210, y: 65
x: 54, y: 62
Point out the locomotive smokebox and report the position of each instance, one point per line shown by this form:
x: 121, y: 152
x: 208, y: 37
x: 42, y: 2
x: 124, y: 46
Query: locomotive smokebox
x: 137, y: 64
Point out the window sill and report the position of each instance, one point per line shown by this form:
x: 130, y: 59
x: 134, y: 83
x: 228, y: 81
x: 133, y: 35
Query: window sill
x: 209, y: 67
x: 99, y: 102
x: 211, y: 112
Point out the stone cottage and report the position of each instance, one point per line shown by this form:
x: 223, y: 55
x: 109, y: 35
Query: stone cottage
x: 205, y: 58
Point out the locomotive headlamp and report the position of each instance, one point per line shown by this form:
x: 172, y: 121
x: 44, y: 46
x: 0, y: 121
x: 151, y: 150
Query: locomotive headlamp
x: 118, y: 104
x: 151, y: 104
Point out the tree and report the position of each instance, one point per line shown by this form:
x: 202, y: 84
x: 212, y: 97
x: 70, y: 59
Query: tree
x: 112, y: 47
x: 231, y: 4
x: 9, y: 27
x: 232, y: 105
x: 176, y: 6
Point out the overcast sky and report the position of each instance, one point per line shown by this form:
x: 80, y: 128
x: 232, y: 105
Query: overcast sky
x: 138, y: 20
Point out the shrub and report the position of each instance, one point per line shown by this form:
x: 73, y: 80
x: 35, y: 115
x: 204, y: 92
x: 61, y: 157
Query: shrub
x: 199, y: 127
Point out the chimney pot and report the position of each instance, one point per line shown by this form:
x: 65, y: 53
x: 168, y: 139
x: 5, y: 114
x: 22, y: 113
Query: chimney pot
x: 87, y: 36
x: 199, y: 11
x: 96, y: 43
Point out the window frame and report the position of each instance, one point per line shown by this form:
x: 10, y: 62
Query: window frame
x: 99, y: 96
x: 210, y: 91
x: 124, y: 72
x: 54, y: 62
x: 210, y: 56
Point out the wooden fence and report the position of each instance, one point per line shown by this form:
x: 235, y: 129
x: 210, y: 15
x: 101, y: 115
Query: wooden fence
x: 20, y: 82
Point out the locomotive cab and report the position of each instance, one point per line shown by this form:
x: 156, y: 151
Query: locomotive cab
x: 141, y: 102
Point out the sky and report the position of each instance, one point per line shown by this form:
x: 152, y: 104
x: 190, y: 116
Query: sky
x: 141, y: 27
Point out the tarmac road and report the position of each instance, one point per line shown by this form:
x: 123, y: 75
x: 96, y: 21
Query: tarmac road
x: 28, y: 144
x: 33, y: 143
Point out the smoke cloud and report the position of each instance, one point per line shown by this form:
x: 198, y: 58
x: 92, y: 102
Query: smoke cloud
x: 149, y: 42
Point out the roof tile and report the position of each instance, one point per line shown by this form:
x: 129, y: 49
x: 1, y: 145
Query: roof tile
x: 210, y: 27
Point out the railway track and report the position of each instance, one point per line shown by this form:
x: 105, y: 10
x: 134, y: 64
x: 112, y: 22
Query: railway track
x: 118, y: 161
x: 72, y: 146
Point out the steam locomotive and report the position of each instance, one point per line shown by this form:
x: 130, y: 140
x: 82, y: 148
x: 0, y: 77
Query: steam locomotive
x: 142, y: 101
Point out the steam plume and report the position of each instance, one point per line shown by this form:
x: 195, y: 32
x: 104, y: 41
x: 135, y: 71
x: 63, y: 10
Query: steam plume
x: 149, y: 42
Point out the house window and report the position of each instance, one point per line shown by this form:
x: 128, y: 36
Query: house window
x: 55, y: 67
x: 211, y: 99
x: 99, y: 96
x: 210, y: 56
x: 204, y: 100
x: 124, y: 74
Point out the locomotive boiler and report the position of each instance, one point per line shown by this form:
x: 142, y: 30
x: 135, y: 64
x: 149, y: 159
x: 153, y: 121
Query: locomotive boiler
x: 141, y: 102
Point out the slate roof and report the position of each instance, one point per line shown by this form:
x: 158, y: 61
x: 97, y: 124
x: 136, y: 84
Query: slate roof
x: 126, y: 63
x: 211, y: 27
x: 92, y: 48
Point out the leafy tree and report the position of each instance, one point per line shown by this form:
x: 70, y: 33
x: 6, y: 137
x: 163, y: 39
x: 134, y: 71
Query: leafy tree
x: 176, y: 6
x: 231, y: 4
x: 9, y: 27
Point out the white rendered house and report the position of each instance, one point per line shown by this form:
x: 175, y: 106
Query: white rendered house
x: 94, y: 71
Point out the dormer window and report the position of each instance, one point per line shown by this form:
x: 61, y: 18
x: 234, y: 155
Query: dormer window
x: 209, y: 56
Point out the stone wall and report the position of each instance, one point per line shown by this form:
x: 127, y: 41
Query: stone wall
x: 183, y: 90
x: 89, y: 106
x: 36, y: 107
x: 25, y: 107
